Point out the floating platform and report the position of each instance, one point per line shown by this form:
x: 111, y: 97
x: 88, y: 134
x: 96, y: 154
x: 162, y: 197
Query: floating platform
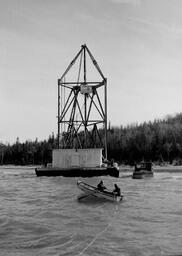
x: 78, y: 171
x: 82, y: 122
x: 77, y: 163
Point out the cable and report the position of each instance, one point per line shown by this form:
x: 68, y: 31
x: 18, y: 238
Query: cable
x: 95, y: 238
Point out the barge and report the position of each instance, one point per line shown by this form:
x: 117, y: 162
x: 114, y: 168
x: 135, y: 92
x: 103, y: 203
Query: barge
x: 82, y: 122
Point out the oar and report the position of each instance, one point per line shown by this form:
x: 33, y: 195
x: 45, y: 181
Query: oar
x: 85, y: 196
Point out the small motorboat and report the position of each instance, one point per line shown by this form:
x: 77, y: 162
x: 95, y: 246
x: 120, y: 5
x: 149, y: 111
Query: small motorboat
x: 95, y: 192
x: 143, y: 170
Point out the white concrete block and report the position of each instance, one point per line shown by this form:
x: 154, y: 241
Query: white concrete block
x: 64, y: 158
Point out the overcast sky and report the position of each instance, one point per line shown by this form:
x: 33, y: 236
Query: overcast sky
x: 137, y: 44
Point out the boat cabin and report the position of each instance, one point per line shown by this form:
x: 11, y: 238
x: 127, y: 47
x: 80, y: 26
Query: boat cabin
x: 144, y: 166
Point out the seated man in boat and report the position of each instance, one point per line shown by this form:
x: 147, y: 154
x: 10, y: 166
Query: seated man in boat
x: 116, y: 191
x: 101, y: 186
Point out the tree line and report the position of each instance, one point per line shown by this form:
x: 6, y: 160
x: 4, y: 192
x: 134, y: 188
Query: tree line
x: 158, y: 141
x: 28, y: 153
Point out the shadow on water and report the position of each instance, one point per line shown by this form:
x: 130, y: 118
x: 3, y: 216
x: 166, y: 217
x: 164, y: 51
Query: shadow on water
x: 93, y: 200
x: 126, y: 176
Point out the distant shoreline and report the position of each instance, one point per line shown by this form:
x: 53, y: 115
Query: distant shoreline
x: 122, y: 168
x: 11, y: 166
x: 168, y: 168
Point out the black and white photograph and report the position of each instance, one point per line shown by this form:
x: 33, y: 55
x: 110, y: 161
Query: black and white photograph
x: 91, y: 128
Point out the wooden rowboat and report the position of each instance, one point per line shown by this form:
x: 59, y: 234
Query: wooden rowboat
x: 93, y: 191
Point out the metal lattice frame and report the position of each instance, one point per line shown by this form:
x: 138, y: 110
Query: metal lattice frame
x: 77, y: 128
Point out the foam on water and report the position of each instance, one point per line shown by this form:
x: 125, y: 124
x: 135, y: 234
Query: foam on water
x: 42, y: 216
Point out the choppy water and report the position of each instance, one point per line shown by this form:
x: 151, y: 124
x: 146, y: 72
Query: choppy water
x: 42, y: 216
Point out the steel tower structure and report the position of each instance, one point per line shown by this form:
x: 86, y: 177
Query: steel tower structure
x: 82, y: 104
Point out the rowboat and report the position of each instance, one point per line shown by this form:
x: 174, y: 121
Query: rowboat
x: 93, y: 191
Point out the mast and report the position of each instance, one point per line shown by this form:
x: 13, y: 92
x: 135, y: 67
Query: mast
x: 84, y: 112
x: 105, y: 123
x: 85, y: 96
x: 58, y: 114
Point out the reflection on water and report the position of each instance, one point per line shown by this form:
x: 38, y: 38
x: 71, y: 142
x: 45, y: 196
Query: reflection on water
x: 42, y: 216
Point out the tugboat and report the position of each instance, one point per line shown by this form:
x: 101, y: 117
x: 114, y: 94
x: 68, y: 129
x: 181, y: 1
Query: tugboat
x: 82, y: 122
x: 143, y: 170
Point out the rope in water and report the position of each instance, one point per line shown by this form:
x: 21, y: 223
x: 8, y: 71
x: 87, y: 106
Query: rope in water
x: 95, y: 238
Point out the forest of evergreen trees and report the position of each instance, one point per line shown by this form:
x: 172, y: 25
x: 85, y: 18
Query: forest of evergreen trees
x: 158, y: 141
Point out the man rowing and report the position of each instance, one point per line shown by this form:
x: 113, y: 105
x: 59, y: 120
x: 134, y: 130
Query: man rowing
x: 116, y: 191
x: 101, y: 186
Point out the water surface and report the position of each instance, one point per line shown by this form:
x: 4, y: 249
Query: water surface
x: 42, y: 216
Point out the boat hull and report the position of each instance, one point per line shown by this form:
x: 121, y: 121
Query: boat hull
x: 141, y: 175
x: 78, y: 172
x: 93, y: 191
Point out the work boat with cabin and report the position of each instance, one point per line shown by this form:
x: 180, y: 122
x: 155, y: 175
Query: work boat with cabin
x: 82, y: 122
x: 144, y: 170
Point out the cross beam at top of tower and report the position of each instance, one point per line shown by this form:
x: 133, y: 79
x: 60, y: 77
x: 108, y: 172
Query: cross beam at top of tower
x: 84, y: 49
